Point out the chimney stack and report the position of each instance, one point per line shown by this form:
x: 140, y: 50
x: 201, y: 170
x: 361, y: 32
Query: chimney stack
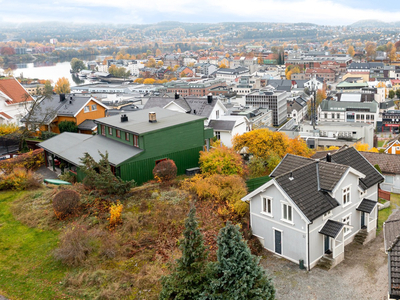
x: 329, y: 157
x: 176, y: 95
x: 152, y: 117
x: 124, y: 118
x: 209, y: 98
x: 62, y: 97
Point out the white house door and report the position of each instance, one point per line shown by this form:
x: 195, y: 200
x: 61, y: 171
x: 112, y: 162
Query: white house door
x: 278, y: 242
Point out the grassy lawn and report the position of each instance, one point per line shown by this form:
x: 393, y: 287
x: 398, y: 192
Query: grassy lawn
x: 385, y: 213
x: 27, y: 268
x: 380, y: 143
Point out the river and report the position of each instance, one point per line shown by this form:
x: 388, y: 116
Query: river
x: 48, y: 70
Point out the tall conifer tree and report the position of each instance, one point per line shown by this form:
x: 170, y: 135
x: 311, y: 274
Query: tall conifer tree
x: 188, y: 277
x: 237, y: 274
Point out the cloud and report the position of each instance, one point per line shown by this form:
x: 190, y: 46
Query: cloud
x: 329, y: 12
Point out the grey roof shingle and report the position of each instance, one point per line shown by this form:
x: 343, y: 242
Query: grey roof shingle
x: 87, y: 125
x: 391, y: 230
x: 222, y: 125
x: 302, y: 186
x: 349, y: 156
x: 331, y: 228
x: 288, y: 163
x: 367, y: 205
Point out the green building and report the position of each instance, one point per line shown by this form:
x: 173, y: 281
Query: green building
x: 135, y: 143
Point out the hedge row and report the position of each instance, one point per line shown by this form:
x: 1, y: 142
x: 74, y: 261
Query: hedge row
x: 31, y: 160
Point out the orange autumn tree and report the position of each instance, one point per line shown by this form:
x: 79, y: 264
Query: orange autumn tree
x: 62, y: 86
x: 270, y: 146
x: 221, y: 160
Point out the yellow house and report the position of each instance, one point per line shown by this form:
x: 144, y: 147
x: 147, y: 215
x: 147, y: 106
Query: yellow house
x: 80, y: 109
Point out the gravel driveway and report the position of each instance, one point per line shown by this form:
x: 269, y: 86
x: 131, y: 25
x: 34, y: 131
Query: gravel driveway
x: 362, y: 275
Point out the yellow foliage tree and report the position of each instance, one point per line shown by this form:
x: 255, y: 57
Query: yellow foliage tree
x: 149, y: 81
x: 265, y: 143
x: 62, y: 86
x: 8, y: 128
x: 222, y: 66
x: 151, y: 63
x: 176, y: 67
x: 350, y: 51
x: 139, y: 80
x: 158, y: 52
x: 364, y: 147
x: 159, y: 64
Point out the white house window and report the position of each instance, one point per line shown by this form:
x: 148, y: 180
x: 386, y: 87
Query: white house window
x: 103, y: 130
x: 118, y: 133
x: 94, y: 107
x: 388, y: 179
x: 218, y: 135
x: 217, y: 114
x: 267, y: 206
x: 346, y: 195
x: 109, y: 130
x: 86, y: 109
x: 126, y: 136
x: 287, y: 212
x: 347, y: 220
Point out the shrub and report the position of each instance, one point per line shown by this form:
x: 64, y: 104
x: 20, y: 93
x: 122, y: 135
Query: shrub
x: 165, y: 170
x: 221, y: 160
x: 67, y: 126
x: 45, y: 135
x: 98, y: 175
x: 75, y: 245
x: 19, y: 179
x: 224, y: 189
x: 65, y: 203
x: 31, y: 160
x: 115, y: 214
x: 67, y: 176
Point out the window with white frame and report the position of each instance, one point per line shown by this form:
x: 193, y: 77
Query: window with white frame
x: 103, y: 130
x: 346, y: 195
x: 109, y: 130
x: 86, y: 109
x: 347, y: 220
x: 287, y: 212
x: 218, y: 135
x: 267, y: 205
x: 94, y: 107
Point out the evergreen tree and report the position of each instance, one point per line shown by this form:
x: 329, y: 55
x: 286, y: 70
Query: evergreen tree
x: 237, y: 274
x: 188, y: 278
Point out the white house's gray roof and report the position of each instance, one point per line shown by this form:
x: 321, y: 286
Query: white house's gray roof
x: 138, y: 121
x: 72, y: 147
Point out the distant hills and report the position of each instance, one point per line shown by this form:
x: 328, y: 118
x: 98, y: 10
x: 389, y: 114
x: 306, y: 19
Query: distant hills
x: 375, y: 23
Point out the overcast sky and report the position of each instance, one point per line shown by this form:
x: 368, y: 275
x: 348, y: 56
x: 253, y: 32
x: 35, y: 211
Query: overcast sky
x: 323, y: 12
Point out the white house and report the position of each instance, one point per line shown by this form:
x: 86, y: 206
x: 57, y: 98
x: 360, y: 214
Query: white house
x: 226, y: 127
x: 14, y: 101
x: 311, y: 209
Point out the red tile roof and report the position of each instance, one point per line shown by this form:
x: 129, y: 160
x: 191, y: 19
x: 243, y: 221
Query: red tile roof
x: 13, y: 89
x: 5, y: 115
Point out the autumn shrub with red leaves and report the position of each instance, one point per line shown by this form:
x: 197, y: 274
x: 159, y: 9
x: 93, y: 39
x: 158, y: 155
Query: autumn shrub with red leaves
x: 165, y: 170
